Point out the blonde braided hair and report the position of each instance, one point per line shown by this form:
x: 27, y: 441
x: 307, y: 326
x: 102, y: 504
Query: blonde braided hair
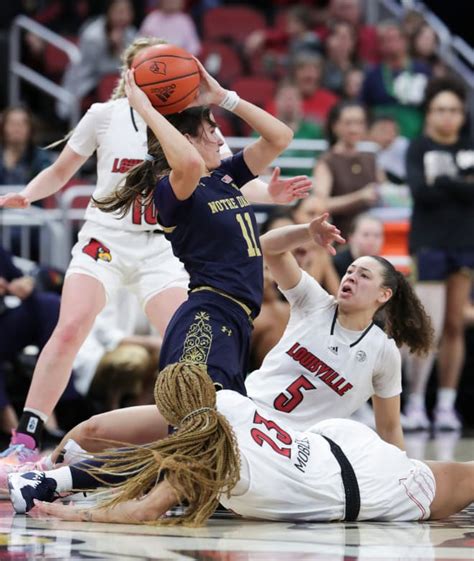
x: 200, y: 460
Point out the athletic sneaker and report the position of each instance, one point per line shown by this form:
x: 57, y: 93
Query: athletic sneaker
x: 24, y: 487
x: 446, y: 419
x: 415, y: 418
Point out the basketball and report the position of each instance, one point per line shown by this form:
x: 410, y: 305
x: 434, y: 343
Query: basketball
x: 168, y: 75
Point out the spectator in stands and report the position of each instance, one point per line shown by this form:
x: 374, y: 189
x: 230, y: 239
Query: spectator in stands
x: 424, y: 47
x: 20, y: 158
x: 171, y: 23
x: 283, y: 45
x: 311, y: 258
x: 345, y: 178
x: 101, y: 42
x: 397, y: 84
x: 288, y: 107
x: 440, y: 173
x: 391, y: 156
x: 27, y: 317
x: 307, y: 70
x: 350, y: 11
x: 352, y: 83
x: 365, y: 237
x: 340, y: 55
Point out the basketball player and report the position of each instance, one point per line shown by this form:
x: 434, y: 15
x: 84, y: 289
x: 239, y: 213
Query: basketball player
x: 109, y: 253
x: 332, y: 357
x: 210, y: 224
x: 228, y: 449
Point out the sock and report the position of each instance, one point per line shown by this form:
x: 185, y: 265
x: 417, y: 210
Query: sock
x: 63, y: 478
x: 416, y: 400
x: 446, y: 398
x: 30, y: 426
x: 82, y: 479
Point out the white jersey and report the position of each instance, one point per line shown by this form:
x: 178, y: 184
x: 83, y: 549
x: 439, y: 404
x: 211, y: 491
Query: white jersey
x: 293, y: 475
x: 319, y: 370
x: 108, y: 129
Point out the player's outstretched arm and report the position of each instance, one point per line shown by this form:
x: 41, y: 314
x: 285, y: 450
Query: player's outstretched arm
x: 278, y: 244
x: 137, y: 511
x: 47, y: 182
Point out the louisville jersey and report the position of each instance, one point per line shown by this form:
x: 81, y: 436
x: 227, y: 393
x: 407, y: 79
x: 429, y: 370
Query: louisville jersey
x: 284, y: 473
x: 214, y: 232
x: 287, y: 474
x: 318, y: 369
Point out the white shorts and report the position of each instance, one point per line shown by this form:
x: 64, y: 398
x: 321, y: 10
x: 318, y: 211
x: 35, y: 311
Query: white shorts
x: 392, y: 486
x: 143, y: 262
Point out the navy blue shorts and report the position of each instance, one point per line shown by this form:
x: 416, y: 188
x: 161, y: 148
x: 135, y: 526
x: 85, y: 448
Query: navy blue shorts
x: 439, y: 264
x: 210, y: 329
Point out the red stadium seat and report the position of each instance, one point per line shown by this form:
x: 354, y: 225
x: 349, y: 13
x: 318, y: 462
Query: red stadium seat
x: 256, y: 89
x: 56, y: 60
x: 106, y: 86
x: 231, y: 22
x: 222, y: 61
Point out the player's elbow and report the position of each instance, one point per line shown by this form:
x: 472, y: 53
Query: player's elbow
x: 283, y: 138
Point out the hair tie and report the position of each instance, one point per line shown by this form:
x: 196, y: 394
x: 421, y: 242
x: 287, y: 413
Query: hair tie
x: 196, y: 412
x: 149, y: 158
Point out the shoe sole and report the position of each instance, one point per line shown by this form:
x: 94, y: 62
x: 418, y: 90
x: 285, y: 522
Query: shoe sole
x: 13, y: 495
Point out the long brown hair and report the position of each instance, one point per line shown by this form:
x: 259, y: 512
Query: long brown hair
x: 404, y: 316
x: 141, y: 180
x: 200, y: 460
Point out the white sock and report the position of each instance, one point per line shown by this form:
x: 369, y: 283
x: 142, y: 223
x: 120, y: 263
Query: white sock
x: 63, y: 478
x: 446, y: 398
x: 416, y: 400
x: 38, y: 413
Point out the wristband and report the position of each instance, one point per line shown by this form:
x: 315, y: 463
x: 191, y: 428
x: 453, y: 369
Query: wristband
x: 230, y: 100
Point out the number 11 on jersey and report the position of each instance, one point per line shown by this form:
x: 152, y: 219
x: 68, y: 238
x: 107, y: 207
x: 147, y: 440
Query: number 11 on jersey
x: 248, y: 234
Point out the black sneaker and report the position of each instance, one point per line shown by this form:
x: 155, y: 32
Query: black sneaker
x: 24, y: 487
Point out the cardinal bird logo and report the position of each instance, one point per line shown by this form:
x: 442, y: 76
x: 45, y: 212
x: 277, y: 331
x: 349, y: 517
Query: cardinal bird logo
x: 97, y: 250
x: 157, y: 67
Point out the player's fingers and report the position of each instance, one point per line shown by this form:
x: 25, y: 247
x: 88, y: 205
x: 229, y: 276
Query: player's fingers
x: 275, y: 175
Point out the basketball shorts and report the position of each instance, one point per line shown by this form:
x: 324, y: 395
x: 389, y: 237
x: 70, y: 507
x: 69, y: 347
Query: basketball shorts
x: 210, y: 329
x: 438, y: 264
x: 140, y: 261
x: 392, y: 486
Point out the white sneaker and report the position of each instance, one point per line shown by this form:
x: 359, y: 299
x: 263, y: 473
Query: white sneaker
x: 446, y: 419
x: 415, y: 418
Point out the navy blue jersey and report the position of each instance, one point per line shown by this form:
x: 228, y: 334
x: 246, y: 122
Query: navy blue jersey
x: 214, y: 232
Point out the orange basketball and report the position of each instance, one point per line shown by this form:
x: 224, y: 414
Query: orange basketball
x: 168, y: 75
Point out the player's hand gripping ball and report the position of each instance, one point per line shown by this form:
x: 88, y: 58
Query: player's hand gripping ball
x: 168, y: 75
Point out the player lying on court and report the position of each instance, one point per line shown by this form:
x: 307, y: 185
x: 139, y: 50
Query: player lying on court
x: 226, y: 449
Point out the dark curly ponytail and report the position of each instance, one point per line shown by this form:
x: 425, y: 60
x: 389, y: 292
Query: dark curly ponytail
x: 405, y: 317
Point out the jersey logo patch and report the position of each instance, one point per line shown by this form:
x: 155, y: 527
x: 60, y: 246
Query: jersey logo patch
x: 227, y: 179
x: 334, y: 350
x: 158, y: 68
x: 361, y: 356
x: 97, y: 250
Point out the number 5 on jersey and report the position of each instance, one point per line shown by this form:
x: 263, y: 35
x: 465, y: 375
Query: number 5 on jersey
x: 248, y: 234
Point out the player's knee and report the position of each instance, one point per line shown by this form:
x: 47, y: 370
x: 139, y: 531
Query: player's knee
x: 70, y: 334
